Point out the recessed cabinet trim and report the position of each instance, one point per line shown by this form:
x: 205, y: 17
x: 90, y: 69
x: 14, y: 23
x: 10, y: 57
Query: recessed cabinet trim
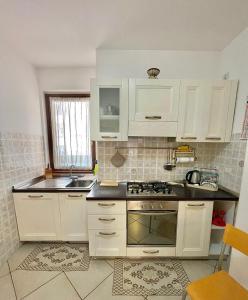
x: 194, y: 228
x: 153, y: 107
x: 206, y: 110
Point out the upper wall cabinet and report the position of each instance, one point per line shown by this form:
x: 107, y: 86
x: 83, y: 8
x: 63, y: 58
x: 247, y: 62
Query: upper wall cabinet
x: 206, y: 110
x: 109, y: 110
x: 153, y: 107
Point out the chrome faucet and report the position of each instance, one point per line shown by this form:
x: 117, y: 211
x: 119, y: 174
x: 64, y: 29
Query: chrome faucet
x: 73, y: 177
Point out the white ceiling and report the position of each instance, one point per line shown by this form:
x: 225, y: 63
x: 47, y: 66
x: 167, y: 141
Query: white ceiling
x: 67, y: 32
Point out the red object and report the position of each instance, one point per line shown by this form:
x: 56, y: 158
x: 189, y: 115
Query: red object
x: 218, y: 218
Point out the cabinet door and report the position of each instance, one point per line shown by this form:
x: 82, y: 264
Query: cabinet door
x: 194, y: 228
x: 191, y: 111
x: 37, y: 216
x: 109, y: 110
x: 153, y: 100
x: 220, y: 101
x: 73, y: 212
x: 107, y: 242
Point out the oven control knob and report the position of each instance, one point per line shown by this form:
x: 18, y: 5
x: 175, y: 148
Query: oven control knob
x: 131, y: 191
x: 137, y: 191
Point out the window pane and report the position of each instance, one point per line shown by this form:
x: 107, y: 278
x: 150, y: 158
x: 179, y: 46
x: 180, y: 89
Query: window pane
x: 71, y: 132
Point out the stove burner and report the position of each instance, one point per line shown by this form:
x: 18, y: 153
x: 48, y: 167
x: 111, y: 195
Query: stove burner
x: 149, y: 188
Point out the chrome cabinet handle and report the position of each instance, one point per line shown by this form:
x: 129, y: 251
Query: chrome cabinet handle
x: 35, y: 196
x: 107, y: 233
x: 156, y: 213
x: 213, y: 138
x: 106, y: 204
x: 75, y: 196
x: 106, y: 219
x: 153, y: 117
x: 188, y: 137
x: 192, y: 205
x: 150, y: 251
x: 109, y: 137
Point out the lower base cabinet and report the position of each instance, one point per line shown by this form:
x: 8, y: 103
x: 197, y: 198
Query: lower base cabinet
x: 194, y: 228
x: 107, y: 242
x: 38, y: 217
x: 51, y: 216
x: 73, y: 212
x: 107, y: 228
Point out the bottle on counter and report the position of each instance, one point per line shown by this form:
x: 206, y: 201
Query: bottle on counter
x: 48, y: 172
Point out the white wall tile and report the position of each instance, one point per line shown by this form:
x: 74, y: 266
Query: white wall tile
x: 21, y: 158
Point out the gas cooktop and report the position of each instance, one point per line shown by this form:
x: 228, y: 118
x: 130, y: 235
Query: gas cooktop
x: 149, y: 189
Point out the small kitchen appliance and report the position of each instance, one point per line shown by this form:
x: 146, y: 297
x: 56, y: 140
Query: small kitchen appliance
x: 193, y: 177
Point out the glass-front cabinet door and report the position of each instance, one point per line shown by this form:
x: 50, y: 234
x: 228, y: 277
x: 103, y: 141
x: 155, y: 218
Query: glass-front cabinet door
x: 109, y: 110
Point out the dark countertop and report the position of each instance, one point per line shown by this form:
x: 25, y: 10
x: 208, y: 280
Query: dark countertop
x: 97, y: 192
x: 182, y: 193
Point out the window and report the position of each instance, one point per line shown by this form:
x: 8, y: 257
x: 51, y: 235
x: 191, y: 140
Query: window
x: 69, y: 132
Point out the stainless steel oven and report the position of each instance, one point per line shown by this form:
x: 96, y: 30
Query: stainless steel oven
x: 152, y: 222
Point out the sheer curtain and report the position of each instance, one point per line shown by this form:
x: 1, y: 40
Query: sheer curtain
x: 71, y: 132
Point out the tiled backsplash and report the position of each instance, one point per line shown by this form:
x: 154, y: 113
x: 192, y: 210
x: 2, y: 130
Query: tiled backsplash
x: 228, y: 158
x: 147, y: 164
x: 21, y: 158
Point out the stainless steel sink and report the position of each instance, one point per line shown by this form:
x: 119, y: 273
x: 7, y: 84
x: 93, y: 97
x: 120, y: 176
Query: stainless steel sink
x: 81, y: 184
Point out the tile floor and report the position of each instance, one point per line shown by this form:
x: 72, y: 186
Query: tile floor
x: 94, y: 284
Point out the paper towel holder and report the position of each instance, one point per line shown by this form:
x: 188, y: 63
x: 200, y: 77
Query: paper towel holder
x: 182, y: 157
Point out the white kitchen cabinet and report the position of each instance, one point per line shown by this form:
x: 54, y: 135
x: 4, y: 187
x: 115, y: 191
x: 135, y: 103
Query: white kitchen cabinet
x: 221, y: 96
x: 206, y: 110
x: 73, y: 211
x: 191, y: 111
x: 107, y: 227
x: 109, y: 110
x: 194, y: 228
x: 107, y: 207
x: 37, y: 216
x: 109, y: 242
x: 153, y: 107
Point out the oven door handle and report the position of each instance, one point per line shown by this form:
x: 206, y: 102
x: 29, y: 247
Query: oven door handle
x: 154, y: 213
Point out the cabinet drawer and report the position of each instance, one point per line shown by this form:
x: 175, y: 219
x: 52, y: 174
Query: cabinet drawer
x: 35, y: 196
x: 107, y: 222
x: 73, y: 196
x: 106, y: 207
x: 151, y: 251
x: 107, y: 242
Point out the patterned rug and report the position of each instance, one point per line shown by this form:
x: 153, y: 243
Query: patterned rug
x: 149, y: 277
x: 57, y: 257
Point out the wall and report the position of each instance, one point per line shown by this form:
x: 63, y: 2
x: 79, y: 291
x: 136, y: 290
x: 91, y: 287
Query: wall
x: 65, y: 79
x: 148, y: 164
x: 61, y: 80
x: 19, y: 104
x: 173, y: 64
x: 21, y: 141
x: 234, y: 60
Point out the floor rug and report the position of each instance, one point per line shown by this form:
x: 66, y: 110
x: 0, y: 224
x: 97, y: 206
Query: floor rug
x: 163, y: 277
x: 57, y: 257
